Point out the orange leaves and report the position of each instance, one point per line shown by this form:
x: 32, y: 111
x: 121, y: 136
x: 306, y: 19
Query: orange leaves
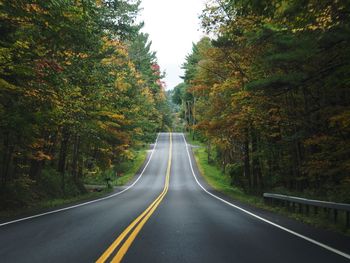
x: 41, y: 156
x: 35, y: 8
x: 38, y: 152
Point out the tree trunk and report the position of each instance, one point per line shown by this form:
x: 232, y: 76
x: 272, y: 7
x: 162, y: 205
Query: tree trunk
x: 75, y: 157
x: 53, y: 147
x: 246, y: 158
x: 6, y: 159
x: 35, y: 168
x: 63, y: 155
x: 257, y: 177
x: 209, y: 151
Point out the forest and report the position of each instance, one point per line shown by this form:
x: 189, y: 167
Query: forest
x: 267, y: 91
x: 80, y: 91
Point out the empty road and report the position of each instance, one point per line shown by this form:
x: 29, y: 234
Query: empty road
x: 167, y: 214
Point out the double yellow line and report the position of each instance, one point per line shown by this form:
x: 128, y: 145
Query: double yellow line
x: 136, y: 226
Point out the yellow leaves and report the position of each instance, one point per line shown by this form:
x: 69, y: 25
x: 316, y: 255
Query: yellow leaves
x: 35, y: 8
x: 138, y: 131
x: 109, y: 127
x: 99, y: 3
x: 112, y: 115
x: 323, y: 19
x: 7, y: 87
x: 147, y: 94
x: 139, y: 81
x: 21, y: 44
x: 33, y: 93
x: 127, y: 154
x: 121, y: 82
x: 37, y: 144
x: 341, y: 120
x: 117, y: 117
x: 120, y: 66
x: 71, y: 54
x: 118, y: 46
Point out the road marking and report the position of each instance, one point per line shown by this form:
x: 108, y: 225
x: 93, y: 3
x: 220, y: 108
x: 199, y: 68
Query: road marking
x: 334, y: 250
x: 136, y: 226
x: 89, y: 202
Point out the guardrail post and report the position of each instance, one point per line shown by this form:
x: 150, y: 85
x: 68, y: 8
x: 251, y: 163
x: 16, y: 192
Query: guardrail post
x: 326, y: 211
x: 335, y: 214
x: 329, y: 210
x: 288, y: 205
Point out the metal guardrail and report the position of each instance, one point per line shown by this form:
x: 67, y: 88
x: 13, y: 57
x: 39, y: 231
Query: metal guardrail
x: 304, y: 205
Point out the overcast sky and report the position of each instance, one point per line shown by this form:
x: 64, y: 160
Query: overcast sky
x: 172, y: 25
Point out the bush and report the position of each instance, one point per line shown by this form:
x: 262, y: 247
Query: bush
x: 235, y: 171
x: 50, y: 184
x: 18, y: 193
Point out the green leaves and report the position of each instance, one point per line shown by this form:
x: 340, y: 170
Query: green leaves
x: 78, y: 84
x: 271, y: 93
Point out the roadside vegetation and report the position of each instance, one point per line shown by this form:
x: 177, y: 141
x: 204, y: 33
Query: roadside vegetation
x: 96, y: 184
x: 81, y: 95
x: 119, y: 175
x: 222, y: 182
x: 268, y: 95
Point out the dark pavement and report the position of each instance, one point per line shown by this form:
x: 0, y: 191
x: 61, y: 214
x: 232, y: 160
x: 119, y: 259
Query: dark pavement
x: 188, y: 226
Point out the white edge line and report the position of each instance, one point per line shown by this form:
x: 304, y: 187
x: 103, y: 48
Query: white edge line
x: 336, y: 251
x: 89, y: 202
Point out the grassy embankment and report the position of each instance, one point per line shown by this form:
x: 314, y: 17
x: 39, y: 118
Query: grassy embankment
x: 126, y: 172
x: 120, y: 175
x: 222, y: 183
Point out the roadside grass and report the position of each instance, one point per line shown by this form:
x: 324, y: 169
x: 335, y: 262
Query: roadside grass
x: 52, y: 203
x: 118, y: 176
x: 222, y: 183
x: 130, y: 168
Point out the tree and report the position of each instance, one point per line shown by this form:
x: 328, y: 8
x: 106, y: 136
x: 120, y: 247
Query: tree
x: 271, y: 93
x: 73, y: 96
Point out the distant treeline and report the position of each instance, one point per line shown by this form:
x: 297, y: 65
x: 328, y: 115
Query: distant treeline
x: 270, y: 94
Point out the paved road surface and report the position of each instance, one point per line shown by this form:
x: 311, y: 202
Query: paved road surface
x: 180, y: 222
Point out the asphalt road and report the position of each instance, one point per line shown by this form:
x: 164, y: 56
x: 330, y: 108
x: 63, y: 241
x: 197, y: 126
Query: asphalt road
x: 179, y: 222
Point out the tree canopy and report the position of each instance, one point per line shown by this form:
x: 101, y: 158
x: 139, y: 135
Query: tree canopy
x: 271, y: 94
x: 79, y: 87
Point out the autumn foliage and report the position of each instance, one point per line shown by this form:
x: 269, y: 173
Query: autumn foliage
x: 269, y: 93
x: 73, y: 97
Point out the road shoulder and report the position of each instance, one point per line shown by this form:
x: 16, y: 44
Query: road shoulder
x: 78, y: 201
x: 330, y: 238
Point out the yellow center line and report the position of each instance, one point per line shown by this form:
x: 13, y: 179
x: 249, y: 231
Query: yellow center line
x: 138, y: 222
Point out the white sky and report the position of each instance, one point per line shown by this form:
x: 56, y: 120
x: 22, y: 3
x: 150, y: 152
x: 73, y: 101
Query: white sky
x: 172, y: 25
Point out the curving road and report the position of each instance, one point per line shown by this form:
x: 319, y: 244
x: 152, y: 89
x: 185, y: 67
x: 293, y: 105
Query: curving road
x: 167, y: 216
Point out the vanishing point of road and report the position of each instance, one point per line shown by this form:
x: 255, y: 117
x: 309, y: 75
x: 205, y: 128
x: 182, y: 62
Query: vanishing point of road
x: 167, y: 214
